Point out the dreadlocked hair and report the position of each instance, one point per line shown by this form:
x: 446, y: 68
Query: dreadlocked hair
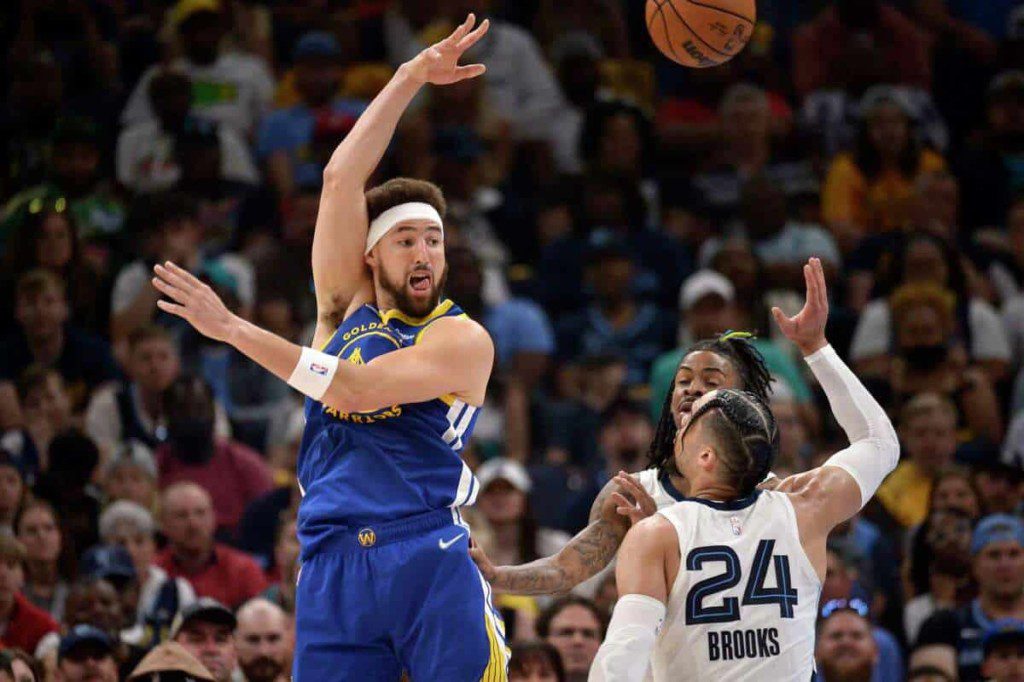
x: 737, y: 348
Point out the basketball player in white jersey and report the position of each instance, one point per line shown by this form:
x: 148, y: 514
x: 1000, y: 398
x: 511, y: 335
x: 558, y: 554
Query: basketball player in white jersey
x: 725, y: 585
x: 729, y: 361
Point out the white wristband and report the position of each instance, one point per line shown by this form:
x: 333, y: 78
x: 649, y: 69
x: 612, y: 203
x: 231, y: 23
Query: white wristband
x: 313, y: 375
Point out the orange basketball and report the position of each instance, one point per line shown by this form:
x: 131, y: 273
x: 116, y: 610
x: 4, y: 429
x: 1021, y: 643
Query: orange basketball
x: 700, y: 33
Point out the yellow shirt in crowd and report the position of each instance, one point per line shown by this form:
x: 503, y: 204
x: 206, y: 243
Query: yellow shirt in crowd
x: 878, y: 206
x: 905, y: 494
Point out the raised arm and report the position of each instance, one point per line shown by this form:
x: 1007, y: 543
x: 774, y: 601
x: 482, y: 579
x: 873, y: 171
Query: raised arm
x: 834, y: 492
x: 408, y: 375
x: 643, y: 575
x: 340, y: 275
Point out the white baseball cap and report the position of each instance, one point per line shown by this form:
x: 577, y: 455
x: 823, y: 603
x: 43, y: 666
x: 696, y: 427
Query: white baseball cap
x: 505, y: 469
x: 703, y: 283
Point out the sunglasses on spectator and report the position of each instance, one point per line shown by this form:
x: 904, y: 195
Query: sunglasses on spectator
x: 856, y: 605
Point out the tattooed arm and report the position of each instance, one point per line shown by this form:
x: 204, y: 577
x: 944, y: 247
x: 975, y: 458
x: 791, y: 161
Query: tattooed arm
x: 583, y: 557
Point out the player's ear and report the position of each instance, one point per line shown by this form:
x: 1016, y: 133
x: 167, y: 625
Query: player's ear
x: 707, y: 457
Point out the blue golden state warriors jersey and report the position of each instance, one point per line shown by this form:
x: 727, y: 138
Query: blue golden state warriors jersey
x: 399, y: 461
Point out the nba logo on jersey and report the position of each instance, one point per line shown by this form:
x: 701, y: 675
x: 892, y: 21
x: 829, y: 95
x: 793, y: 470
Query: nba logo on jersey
x: 737, y: 527
x: 367, y: 538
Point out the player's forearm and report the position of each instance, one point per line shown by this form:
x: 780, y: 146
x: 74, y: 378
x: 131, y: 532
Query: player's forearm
x: 268, y: 350
x: 874, y: 448
x: 590, y: 551
x: 359, y: 153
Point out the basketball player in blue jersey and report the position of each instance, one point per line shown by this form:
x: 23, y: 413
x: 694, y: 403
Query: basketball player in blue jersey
x: 387, y: 583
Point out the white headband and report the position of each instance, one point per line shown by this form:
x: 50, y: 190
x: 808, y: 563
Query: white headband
x: 414, y: 210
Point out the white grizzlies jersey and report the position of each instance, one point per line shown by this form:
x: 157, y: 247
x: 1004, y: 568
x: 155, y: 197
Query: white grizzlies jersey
x: 744, y: 603
x: 659, y: 487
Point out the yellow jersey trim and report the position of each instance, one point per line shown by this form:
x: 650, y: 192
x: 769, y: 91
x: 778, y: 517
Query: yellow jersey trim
x: 396, y: 314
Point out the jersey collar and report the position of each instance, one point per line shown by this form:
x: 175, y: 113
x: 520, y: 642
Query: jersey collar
x: 396, y: 314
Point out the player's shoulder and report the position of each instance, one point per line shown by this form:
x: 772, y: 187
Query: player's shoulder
x: 460, y: 328
x: 655, y: 533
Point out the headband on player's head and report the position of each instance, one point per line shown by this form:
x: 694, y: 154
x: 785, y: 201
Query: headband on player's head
x: 414, y: 210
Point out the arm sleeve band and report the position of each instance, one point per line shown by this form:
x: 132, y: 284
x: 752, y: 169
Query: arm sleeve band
x: 874, y: 448
x: 313, y: 373
x: 625, y: 655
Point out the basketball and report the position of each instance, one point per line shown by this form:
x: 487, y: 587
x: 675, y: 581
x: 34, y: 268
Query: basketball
x: 700, y: 33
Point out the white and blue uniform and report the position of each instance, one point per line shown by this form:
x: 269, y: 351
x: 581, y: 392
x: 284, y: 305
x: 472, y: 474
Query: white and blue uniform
x: 387, y: 583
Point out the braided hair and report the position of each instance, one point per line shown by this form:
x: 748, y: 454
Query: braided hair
x: 747, y: 434
x: 737, y: 348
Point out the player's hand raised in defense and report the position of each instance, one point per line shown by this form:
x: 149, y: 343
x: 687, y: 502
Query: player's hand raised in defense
x: 632, y: 500
x: 193, y: 301
x: 807, y: 328
x: 439, y: 63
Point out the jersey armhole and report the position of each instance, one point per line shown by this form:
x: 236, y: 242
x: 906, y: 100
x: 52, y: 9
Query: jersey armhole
x: 684, y: 532
x: 802, y: 559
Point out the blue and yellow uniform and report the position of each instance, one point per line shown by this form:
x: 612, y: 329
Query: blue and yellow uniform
x: 387, y: 582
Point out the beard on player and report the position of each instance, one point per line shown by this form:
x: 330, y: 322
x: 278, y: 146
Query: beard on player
x: 417, y: 292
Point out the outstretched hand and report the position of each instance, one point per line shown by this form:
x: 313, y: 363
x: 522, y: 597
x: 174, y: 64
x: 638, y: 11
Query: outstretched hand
x: 632, y: 500
x: 439, y: 63
x: 193, y: 301
x: 807, y: 328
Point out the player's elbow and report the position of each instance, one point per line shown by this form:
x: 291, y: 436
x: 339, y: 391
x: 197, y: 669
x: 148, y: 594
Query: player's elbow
x: 888, y: 444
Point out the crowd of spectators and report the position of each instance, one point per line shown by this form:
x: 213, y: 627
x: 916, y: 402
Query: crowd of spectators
x: 607, y: 208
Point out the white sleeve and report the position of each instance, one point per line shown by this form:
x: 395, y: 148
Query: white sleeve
x: 988, y: 333
x: 874, y: 448
x: 625, y: 654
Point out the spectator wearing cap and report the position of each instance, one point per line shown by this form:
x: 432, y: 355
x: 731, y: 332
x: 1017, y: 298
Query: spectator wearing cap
x: 708, y: 307
x: 24, y: 623
x: 504, y: 504
x: 206, y: 629
x: 264, y: 642
x: 170, y: 661
x: 146, y: 153
x: 845, y: 650
x: 989, y: 185
x: 215, y: 570
x: 1004, y: 651
x: 86, y: 654
x: 285, y: 140
x: 129, y: 525
x: 616, y: 321
x: 46, y: 337
x: 75, y: 182
x: 232, y: 88
x: 237, y: 474
x: 12, y: 491
x: 133, y: 410
x: 997, y: 547
x: 870, y: 191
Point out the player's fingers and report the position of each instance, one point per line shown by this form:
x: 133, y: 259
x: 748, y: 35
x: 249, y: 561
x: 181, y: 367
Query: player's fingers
x: 632, y: 486
x: 172, y: 308
x: 460, y: 31
x: 623, y: 505
x: 169, y: 290
x: 470, y: 71
x: 819, y: 270
x: 172, y: 277
x: 471, y: 39
x: 780, y: 319
x: 183, y: 279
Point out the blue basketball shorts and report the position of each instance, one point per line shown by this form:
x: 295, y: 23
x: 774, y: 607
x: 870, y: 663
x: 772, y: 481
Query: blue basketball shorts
x: 401, y: 596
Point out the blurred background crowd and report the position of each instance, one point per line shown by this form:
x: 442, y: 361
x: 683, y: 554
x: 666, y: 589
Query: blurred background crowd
x: 606, y: 209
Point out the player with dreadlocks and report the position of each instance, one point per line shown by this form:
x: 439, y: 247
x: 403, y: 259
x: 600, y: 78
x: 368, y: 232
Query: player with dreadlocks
x: 725, y: 584
x: 729, y: 361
